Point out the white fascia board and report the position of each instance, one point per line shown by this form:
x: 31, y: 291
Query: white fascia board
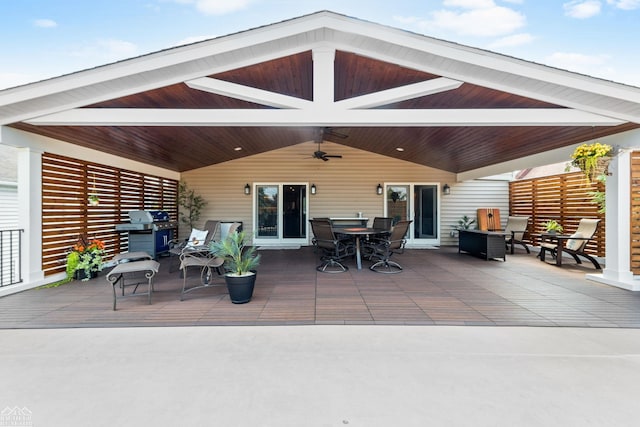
x: 323, y: 117
x: 247, y: 93
x: 487, y: 59
x: 401, y: 93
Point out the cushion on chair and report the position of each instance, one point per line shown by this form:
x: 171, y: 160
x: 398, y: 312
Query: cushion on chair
x: 197, y: 237
x: 573, y: 244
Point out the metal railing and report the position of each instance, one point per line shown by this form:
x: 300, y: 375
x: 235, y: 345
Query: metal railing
x: 10, y: 257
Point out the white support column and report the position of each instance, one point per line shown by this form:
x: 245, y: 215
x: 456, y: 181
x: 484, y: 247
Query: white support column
x: 30, y: 220
x: 617, y: 271
x: 323, y: 77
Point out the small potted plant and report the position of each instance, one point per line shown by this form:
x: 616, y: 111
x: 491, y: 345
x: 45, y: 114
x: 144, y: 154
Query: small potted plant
x: 553, y: 227
x: 85, y: 259
x: 240, y: 263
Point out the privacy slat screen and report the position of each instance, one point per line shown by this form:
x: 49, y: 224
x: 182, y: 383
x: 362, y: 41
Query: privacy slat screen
x: 635, y: 212
x: 67, y: 215
x: 565, y: 198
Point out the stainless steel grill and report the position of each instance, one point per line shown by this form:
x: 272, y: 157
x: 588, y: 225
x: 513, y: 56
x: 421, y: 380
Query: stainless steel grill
x: 149, y: 231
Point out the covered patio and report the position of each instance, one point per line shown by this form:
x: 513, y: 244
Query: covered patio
x: 437, y: 287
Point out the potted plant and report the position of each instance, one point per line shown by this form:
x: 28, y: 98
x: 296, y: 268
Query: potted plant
x: 464, y: 223
x: 553, y: 227
x: 85, y: 259
x: 592, y: 159
x: 191, y: 203
x: 240, y: 262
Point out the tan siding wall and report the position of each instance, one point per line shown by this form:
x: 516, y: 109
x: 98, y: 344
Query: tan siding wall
x: 345, y: 186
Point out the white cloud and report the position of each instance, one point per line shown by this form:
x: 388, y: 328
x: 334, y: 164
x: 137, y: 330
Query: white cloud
x: 407, y: 19
x: 490, y: 21
x: 625, y: 4
x: 469, y: 4
x: 106, y: 49
x: 194, y: 39
x: 592, y: 65
x: 45, y: 23
x: 512, y: 40
x: 582, y: 9
x: 8, y: 80
x: 217, y: 7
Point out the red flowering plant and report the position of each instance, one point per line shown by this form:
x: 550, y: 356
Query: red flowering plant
x: 86, y: 257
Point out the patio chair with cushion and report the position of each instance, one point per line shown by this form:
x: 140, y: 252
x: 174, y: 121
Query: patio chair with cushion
x: 383, y: 249
x: 198, y: 240
x: 575, y: 244
x: 515, y: 230
x: 207, y: 264
x: 332, y: 250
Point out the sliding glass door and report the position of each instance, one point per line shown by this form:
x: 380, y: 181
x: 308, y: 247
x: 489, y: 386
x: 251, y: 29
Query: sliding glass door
x: 280, y: 214
x: 419, y: 203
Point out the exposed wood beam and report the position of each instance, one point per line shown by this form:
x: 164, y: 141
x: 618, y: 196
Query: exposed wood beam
x: 324, y: 117
x: 247, y: 93
x: 402, y: 93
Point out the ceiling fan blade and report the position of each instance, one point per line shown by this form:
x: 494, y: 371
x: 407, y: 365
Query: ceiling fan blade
x: 329, y: 131
x: 337, y: 156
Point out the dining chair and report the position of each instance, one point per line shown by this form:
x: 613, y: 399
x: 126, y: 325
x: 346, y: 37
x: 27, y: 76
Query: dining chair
x: 332, y: 250
x: 383, y: 249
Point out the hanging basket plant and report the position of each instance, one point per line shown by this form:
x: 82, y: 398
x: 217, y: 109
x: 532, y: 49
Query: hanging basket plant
x: 592, y: 159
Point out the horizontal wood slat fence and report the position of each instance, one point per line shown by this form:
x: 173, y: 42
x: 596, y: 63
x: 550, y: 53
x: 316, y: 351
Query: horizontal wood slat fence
x: 66, y: 214
x: 634, y: 233
x: 564, y: 198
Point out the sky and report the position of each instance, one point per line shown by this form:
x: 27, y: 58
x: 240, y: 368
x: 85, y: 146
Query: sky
x: 40, y: 39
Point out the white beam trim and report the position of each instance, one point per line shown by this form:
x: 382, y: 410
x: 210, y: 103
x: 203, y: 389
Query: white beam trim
x: 323, y: 76
x: 247, y: 93
x: 402, y: 93
x: 323, y: 117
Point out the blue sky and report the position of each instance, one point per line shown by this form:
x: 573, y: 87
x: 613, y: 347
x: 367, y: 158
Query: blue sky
x: 47, y: 38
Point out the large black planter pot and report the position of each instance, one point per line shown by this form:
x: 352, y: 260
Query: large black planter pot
x: 81, y: 275
x: 240, y: 287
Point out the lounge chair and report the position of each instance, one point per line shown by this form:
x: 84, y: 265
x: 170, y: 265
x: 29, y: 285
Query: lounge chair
x: 515, y: 230
x: 198, y: 240
x: 575, y: 244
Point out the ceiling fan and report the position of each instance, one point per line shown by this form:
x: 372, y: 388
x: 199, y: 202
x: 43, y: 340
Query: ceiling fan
x: 321, y: 134
x: 324, y: 156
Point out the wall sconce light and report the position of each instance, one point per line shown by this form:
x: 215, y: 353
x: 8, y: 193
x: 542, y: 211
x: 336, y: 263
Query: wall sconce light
x: 313, y: 189
x: 446, y: 189
x: 379, y: 190
x: 247, y: 189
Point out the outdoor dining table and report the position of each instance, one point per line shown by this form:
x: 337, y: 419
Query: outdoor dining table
x: 358, y: 232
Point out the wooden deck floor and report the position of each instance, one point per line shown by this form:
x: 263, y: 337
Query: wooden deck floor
x: 437, y: 287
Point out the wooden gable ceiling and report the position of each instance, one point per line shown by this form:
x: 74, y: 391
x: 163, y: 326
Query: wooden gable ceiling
x: 454, y: 149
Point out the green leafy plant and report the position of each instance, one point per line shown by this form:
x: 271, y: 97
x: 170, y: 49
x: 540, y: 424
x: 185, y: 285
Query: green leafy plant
x: 465, y: 223
x: 553, y: 226
x: 87, y: 256
x: 240, y: 259
x: 191, y: 203
x: 599, y: 197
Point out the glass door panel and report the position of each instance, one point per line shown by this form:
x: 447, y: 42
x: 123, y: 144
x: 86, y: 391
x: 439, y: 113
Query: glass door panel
x: 267, y: 211
x: 398, y: 202
x: 426, y: 212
